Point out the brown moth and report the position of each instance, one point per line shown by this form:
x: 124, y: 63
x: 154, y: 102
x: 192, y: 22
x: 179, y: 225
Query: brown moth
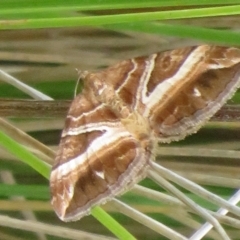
x: 113, y: 126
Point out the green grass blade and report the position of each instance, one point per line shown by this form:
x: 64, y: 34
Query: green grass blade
x: 199, y: 33
x: 107, y: 221
x: 24, y: 6
x: 118, y: 18
x: 24, y: 155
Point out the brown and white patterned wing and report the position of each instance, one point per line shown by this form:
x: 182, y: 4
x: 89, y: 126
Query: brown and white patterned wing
x: 97, y: 159
x: 187, y: 87
x: 178, y: 90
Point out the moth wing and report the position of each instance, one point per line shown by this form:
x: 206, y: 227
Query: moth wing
x: 179, y: 101
x: 177, y: 90
x: 97, y: 159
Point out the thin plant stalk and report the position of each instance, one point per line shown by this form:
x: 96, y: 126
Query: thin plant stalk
x: 190, y: 203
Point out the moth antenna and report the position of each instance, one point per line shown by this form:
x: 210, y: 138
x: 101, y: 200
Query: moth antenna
x: 81, y: 76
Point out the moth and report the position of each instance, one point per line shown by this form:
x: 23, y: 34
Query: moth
x: 114, y: 124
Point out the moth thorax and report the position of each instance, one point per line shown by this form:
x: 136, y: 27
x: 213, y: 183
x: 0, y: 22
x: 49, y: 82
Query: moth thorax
x: 137, y: 125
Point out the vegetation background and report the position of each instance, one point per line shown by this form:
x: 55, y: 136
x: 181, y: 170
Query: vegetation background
x: 42, y: 43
